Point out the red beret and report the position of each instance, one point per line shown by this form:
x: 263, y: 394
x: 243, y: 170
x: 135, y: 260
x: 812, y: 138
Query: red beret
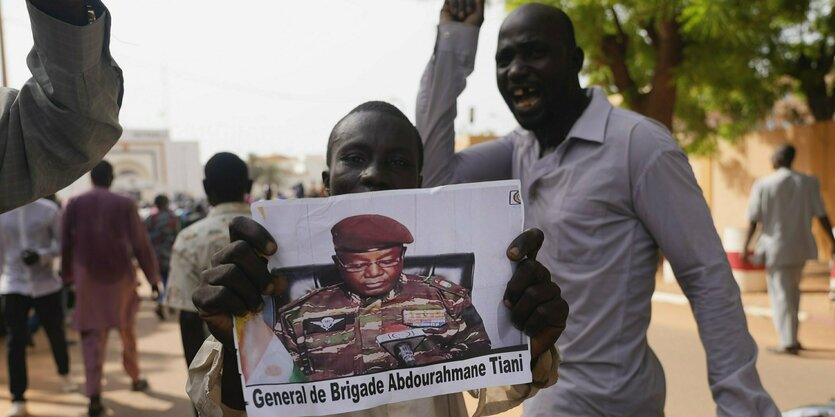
x: 368, y: 232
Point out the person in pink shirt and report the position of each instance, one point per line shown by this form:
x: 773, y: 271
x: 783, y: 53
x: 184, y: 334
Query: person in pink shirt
x: 102, y: 234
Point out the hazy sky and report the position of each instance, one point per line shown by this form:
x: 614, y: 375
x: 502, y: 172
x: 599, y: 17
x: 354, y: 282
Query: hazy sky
x: 272, y: 76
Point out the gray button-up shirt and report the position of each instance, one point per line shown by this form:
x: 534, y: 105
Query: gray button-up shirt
x: 610, y: 196
x: 785, y: 202
x: 66, y: 117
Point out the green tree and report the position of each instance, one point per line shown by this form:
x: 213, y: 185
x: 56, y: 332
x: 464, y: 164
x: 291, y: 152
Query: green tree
x: 700, y: 67
x: 804, y: 51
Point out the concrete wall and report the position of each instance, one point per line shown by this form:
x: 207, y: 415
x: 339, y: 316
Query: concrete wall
x: 727, y: 177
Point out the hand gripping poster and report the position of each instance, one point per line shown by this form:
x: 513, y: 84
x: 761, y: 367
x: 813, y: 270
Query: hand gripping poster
x: 392, y: 296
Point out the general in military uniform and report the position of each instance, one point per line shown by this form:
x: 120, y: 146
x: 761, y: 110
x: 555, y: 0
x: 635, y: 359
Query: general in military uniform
x: 378, y: 318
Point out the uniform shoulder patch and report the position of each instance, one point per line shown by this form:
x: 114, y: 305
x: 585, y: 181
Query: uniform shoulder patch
x: 443, y: 284
x: 301, y: 300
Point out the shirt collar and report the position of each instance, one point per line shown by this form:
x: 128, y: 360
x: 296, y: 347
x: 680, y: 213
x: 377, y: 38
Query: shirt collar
x: 229, y: 208
x: 591, y: 125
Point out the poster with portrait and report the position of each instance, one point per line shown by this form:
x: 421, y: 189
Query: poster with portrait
x: 392, y: 296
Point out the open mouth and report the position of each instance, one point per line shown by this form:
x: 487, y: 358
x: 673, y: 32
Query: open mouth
x: 526, y: 99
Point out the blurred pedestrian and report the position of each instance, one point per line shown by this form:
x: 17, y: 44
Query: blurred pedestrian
x: 102, y: 233
x: 29, y: 241
x: 226, y: 184
x: 163, y: 226
x: 785, y: 202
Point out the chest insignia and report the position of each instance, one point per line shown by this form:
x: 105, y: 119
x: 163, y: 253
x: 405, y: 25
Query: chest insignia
x: 424, y: 317
x: 325, y: 324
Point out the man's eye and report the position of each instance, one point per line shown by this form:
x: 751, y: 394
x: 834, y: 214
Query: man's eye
x: 388, y: 263
x: 537, y: 53
x: 399, y: 162
x: 353, y: 158
x: 503, y: 60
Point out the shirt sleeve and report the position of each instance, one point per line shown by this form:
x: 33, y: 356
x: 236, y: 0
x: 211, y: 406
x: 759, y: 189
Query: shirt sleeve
x: 53, y: 251
x: 66, y: 117
x: 204, y: 381
x: 183, y: 276
x: 818, y: 208
x: 443, y: 81
x: 497, y: 400
x: 754, y: 213
x: 671, y: 206
x: 142, y: 249
x: 66, y: 243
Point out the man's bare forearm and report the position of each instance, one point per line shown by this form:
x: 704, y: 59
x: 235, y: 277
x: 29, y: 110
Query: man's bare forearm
x: 827, y: 227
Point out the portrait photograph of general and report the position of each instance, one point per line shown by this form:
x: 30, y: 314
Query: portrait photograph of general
x: 390, y: 296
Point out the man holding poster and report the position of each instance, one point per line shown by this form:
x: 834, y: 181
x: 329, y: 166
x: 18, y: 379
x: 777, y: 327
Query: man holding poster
x: 419, y: 320
x: 366, y: 152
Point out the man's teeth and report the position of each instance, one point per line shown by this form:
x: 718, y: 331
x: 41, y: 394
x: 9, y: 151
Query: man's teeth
x: 521, y: 91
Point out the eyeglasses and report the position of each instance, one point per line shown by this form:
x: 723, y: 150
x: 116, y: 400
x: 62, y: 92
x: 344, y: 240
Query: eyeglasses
x: 385, y: 263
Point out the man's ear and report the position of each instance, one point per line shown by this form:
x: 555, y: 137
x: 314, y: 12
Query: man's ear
x: 579, y: 56
x: 248, y: 187
x: 326, y: 181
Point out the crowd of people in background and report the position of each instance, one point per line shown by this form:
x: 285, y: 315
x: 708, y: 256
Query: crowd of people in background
x: 50, y: 261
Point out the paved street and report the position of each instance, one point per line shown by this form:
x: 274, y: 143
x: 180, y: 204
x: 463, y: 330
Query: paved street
x: 793, y: 381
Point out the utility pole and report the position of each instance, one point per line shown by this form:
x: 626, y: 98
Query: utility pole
x: 3, y: 48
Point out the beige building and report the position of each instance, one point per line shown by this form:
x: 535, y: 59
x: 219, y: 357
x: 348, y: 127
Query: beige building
x: 281, y: 173
x: 147, y: 163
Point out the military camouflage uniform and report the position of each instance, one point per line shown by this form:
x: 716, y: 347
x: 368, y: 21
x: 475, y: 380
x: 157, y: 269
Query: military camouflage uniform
x: 331, y: 332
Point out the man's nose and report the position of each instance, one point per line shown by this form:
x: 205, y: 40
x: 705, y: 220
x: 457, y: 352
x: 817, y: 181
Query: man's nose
x: 373, y: 178
x: 517, y: 70
x: 373, y: 270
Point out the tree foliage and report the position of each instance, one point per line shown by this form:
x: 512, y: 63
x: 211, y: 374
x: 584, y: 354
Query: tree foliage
x: 704, y: 68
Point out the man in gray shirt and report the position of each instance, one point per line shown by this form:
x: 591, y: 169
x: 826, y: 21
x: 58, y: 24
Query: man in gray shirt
x: 785, y: 203
x: 609, y: 188
x: 66, y: 117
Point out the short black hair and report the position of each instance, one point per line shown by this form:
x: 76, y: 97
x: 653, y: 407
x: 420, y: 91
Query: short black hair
x: 161, y: 201
x: 559, y: 19
x: 784, y: 154
x: 102, y: 174
x: 379, y: 107
x: 227, y: 175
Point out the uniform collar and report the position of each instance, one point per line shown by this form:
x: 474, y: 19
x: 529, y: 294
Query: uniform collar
x: 397, y: 289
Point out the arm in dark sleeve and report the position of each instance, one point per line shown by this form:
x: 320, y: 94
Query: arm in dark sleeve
x: 66, y: 117
x: 67, y: 226
x: 671, y: 206
x: 443, y: 81
x: 142, y: 249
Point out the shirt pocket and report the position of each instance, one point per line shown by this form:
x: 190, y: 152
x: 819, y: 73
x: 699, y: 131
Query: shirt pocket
x: 577, y: 227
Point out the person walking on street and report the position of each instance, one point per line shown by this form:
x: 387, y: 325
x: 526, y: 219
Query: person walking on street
x: 226, y: 184
x: 29, y: 242
x: 163, y: 226
x: 102, y: 233
x: 785, y: 203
